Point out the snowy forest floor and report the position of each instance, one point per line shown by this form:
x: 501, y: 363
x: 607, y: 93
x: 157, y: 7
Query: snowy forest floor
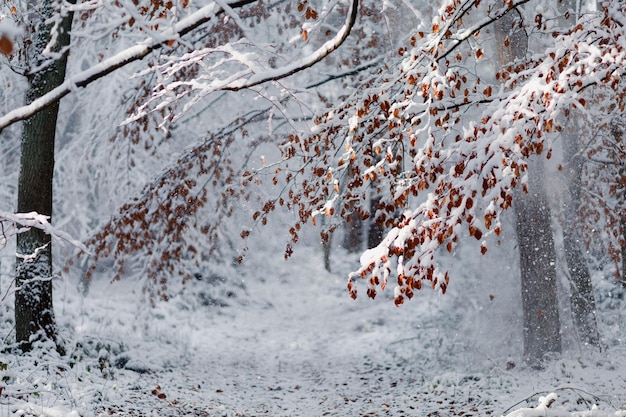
x: 290, y: 342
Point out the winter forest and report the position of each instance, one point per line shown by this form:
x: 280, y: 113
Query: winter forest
x: 312, y: 208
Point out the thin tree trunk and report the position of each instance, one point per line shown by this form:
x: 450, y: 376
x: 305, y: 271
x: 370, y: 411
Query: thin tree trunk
x: 327, y: 247
x: 34, y: 313
x: 541, y: 328
x: 353, y: 240
x: 353, y: 237
x: 375, y: 231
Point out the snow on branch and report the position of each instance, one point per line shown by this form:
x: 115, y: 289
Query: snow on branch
x: 544, y: 409
x: 322, y: 52
x: 172, y: 90
x: 119, y: 60
x: 18, y: 222
x: 247, y: 78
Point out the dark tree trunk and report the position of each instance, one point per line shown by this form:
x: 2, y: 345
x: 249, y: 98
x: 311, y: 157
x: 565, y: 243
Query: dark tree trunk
x: 542, y: 326
x: 34, y: 314
x: 353, y: 237
x: 540, y: 305
x: 353, y: 240
x: 375, y: 232
x: 326, y: 247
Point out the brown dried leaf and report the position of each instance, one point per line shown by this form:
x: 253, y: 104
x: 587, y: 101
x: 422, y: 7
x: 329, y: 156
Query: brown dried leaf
x: 6, y: 46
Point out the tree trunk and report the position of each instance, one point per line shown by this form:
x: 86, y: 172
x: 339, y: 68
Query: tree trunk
x: 327, y: 250
x: 540, y: 306
x: 353, y: 240
x: 34, y: 314
x: 353, y: 236
x: 375, y: 231
x: 327, y: 246
x: 582, y: 299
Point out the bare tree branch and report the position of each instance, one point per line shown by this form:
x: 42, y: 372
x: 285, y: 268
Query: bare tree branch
x: 348, y: 73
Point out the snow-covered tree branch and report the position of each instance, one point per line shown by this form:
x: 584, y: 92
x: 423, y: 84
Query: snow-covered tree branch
x: 14, y: 223
x: 166, y: 39
x: 445, y: 146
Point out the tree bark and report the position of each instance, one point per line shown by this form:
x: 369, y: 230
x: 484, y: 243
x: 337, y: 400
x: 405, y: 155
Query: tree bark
x: 327, y: 250
x: 327, y: 246
x: 375, y: 231
x: 582, y: 299
x: 353, y: 224
x: 541, y: 327
x: 353, y: 240
x: 34, y: 313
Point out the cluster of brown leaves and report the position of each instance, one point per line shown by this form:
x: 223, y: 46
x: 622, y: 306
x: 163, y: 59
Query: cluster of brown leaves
x: 176, y: 221
x: 156, y: 224
x: 402, y: 138
x: 6, y: 42
x: 602, y: 211
x: 155, y: 10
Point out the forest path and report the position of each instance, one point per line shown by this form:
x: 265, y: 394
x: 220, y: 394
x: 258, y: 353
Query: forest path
x: 302, y: 347
x: 294, y: 344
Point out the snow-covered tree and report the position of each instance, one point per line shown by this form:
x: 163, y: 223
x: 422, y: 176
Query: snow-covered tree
x: 425, y: 134
x: 446, y: 138
x: 33, y: 296
x: 541, y: 323
x: 190, y: 52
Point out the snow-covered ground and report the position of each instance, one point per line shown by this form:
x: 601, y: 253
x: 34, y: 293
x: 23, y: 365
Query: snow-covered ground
x: 290, y: 342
